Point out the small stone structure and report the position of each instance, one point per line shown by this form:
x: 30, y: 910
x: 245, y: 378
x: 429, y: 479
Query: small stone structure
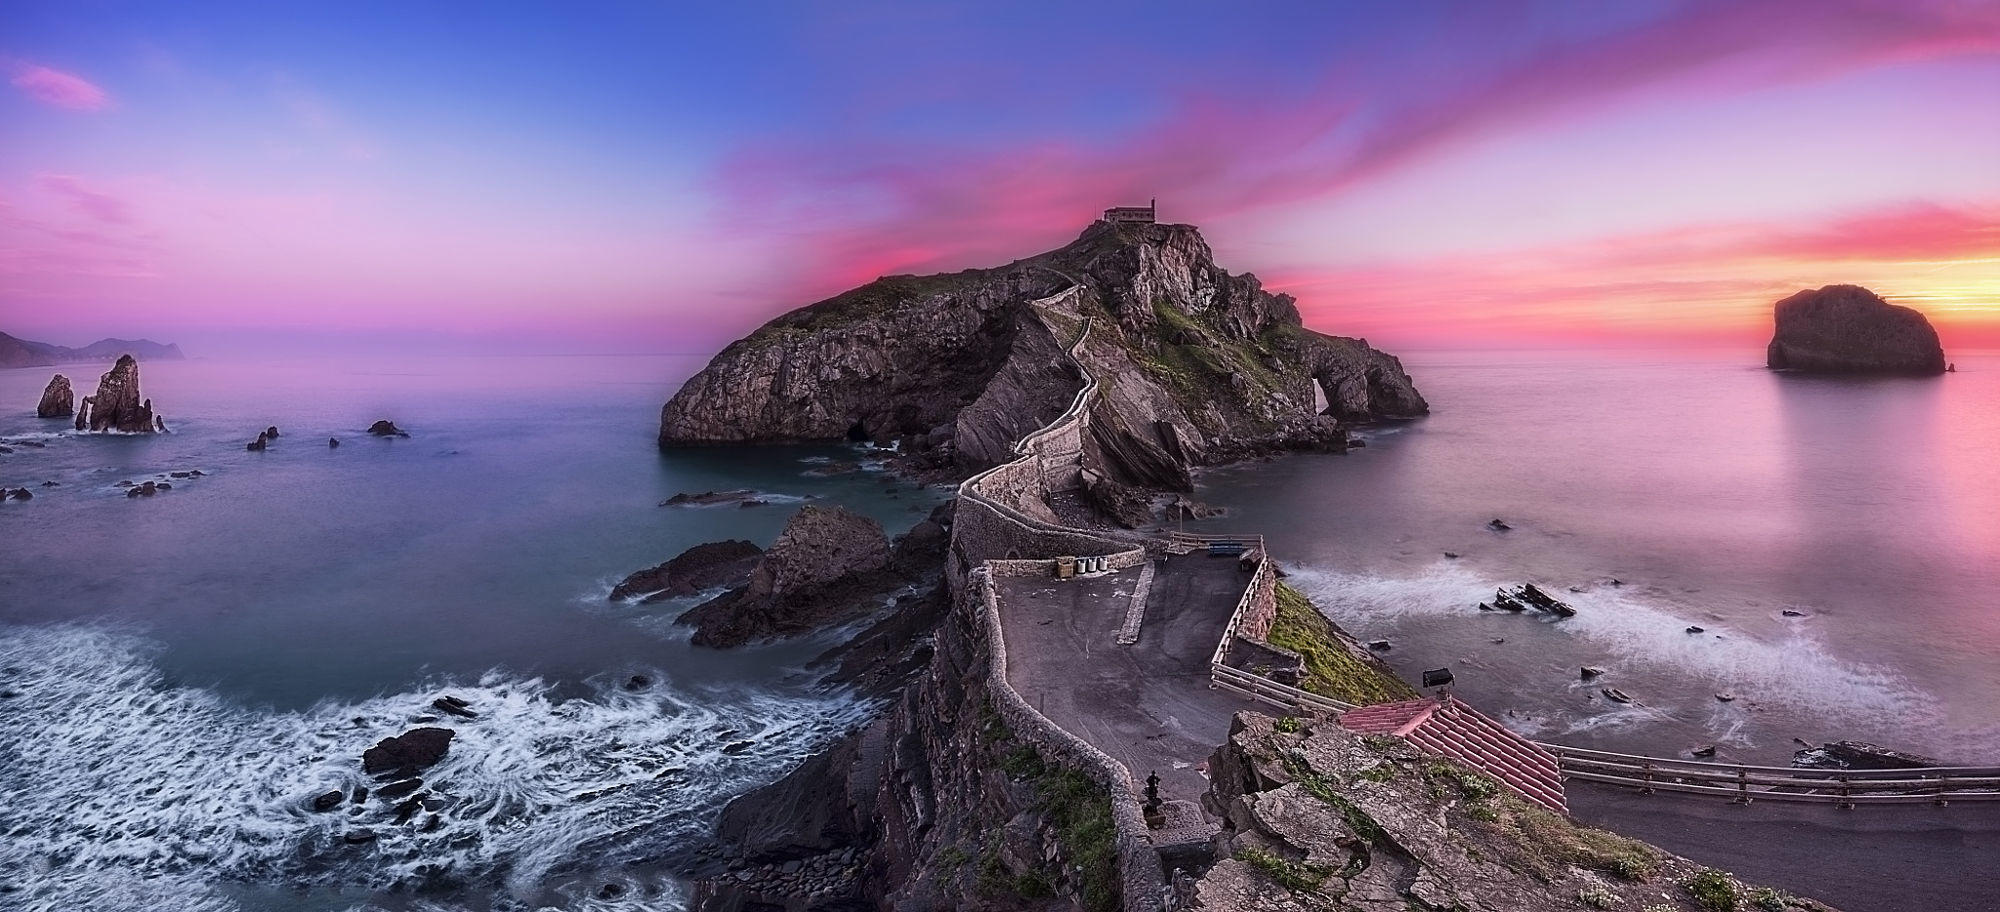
x: 1134, y: 215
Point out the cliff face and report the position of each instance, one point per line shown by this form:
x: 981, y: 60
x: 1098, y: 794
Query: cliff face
x: 58, y: 401
x: 1848, y: 329
x: 956, y: 367
x: 118, y: 405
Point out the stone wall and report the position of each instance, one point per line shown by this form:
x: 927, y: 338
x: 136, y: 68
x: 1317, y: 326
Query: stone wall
x: 1263, y: 607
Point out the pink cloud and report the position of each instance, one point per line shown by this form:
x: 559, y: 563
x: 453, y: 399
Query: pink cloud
x: 1216, y: 157
x: 86, y: 199
x: 63, y: 90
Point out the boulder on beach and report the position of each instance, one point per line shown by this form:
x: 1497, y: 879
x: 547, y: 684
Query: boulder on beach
x: 1847, y: 329
x: 58, y: 401
x: 387, y: 428
x: 408, y: 752
x: 704, y: 566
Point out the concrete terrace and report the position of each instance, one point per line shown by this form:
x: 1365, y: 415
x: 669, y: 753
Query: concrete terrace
x: 1148, y: 705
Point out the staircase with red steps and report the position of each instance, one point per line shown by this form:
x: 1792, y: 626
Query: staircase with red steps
x: 1448, y: 728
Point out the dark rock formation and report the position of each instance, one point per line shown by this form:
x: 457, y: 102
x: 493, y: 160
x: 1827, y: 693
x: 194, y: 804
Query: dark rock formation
x: 1316, y: 817
x: 823, y: 564
x: 271, y: 432
x: 1203, y: 366
x: 57, y: 400
x: 258, y: 445
x: 387, y: 428
x: 1847, y: 329
x: 329, y: 800
x: 408, y: 752
x: 711, y: 498
x: 117, y: 406
x: 333, y: 443
x: 1858, y: 755
x: 704, y: 566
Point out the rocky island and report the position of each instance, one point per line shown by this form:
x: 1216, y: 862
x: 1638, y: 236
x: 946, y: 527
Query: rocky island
x: 118, y: 404
x: 1847, y: 329
x: 1202, y: 366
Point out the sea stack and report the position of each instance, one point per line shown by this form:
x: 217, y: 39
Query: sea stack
x: 1847, y: 329
x: 57, y: 400
x: 118, y: 405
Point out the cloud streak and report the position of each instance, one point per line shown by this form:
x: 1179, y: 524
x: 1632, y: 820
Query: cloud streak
x: 58, y: 89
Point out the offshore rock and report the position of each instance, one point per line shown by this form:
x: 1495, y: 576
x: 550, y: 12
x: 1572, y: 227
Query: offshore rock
x: 1194, y: 361
x: 57, y: 400
x: 387, y: 428
x: 118, y: 406
x: 822, y: 567
x: 1847, y: 329
x: 408, y: 752
x: 704, y: 566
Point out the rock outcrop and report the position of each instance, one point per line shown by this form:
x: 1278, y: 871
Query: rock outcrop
x: 704, y: 566
x: 1847, y: 329
x: 1316, y: 817
x: 823, y: 567
x: 57, y: 399
x: 386, y: 428
x: 1202, y: 366
x: 118, y: 405
x: 407, y: 753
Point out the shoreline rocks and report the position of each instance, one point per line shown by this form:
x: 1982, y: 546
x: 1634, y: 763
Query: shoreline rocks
x: 58, y: 401
x: 1858, y: 755
x: 824, y: 560
x: 407, y: 753
x: 704, y: 566
x: 1847, y: 329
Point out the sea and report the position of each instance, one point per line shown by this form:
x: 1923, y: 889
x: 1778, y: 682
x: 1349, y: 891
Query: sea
x: 183, y: 672
x: 180, y: 674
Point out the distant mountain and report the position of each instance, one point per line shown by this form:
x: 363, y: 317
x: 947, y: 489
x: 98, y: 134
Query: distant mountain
x: 23, y: 353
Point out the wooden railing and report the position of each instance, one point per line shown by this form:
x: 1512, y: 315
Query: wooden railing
x: 1744, y: 783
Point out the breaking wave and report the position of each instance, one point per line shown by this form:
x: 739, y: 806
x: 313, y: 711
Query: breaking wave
x: 121, y: 790
x: 1642, y: 638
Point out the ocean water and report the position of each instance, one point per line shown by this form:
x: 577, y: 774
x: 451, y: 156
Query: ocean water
x: 1717, y: 494
x: 181, y: 673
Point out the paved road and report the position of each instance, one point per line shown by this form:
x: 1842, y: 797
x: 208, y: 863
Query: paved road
x: 1884, y: 858
x: 1148, y: 705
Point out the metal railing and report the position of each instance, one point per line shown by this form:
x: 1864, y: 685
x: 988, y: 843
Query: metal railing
x: 1745, y: 783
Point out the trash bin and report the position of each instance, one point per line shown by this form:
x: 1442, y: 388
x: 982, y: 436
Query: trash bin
x: 1065, y: 567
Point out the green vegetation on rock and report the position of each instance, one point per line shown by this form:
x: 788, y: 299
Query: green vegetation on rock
x: 1076, y: 809
x: 1331, y: 668
x: 1296, y: 876
x: 1713, y: 890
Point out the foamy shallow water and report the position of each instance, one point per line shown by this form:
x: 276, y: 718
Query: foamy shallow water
x: 123, y: 790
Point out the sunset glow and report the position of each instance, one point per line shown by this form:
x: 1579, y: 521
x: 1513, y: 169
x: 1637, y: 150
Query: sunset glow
x: 1420, y: 174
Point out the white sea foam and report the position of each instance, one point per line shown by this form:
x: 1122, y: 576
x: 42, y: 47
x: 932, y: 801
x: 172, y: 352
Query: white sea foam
x: 117, y: 785
x: 1796, y: 674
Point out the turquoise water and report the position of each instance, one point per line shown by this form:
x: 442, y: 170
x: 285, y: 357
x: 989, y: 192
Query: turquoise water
x: 189, y: 667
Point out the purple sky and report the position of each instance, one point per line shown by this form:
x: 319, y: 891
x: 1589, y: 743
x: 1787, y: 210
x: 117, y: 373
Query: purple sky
x: 623, y: 177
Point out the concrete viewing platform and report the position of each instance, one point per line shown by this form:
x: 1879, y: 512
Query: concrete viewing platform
x: 1148, y: 705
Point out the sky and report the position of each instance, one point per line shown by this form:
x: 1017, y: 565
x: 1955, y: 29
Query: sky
x: 663, y: 177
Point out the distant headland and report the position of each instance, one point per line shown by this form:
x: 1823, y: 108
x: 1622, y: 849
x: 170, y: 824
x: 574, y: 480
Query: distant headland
x: 17, y: 352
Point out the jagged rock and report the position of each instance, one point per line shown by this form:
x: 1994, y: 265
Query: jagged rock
x: 332, y: 443
x: 704, y: 566
x: 1187, y: 508
x: 401, y: 788
x: 57, y: 399
x: 1591, y: 671
x: 710, y: 498
x: 387, y: 428
x: 1847, y: 329
x: 117, y: 406
x: 258, y: 445
x: 1858, y: 755
x: 328, y: 801
x: 271, y: 432
x: 408, y: 752
x: 453, y: 706
x: 1200, y: 365
x: 20, y: 494
x: 825, y: 559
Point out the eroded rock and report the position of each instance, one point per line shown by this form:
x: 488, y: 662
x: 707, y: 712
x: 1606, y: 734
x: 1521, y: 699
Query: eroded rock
x: 57, y: 399
x: 1847, y: 329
